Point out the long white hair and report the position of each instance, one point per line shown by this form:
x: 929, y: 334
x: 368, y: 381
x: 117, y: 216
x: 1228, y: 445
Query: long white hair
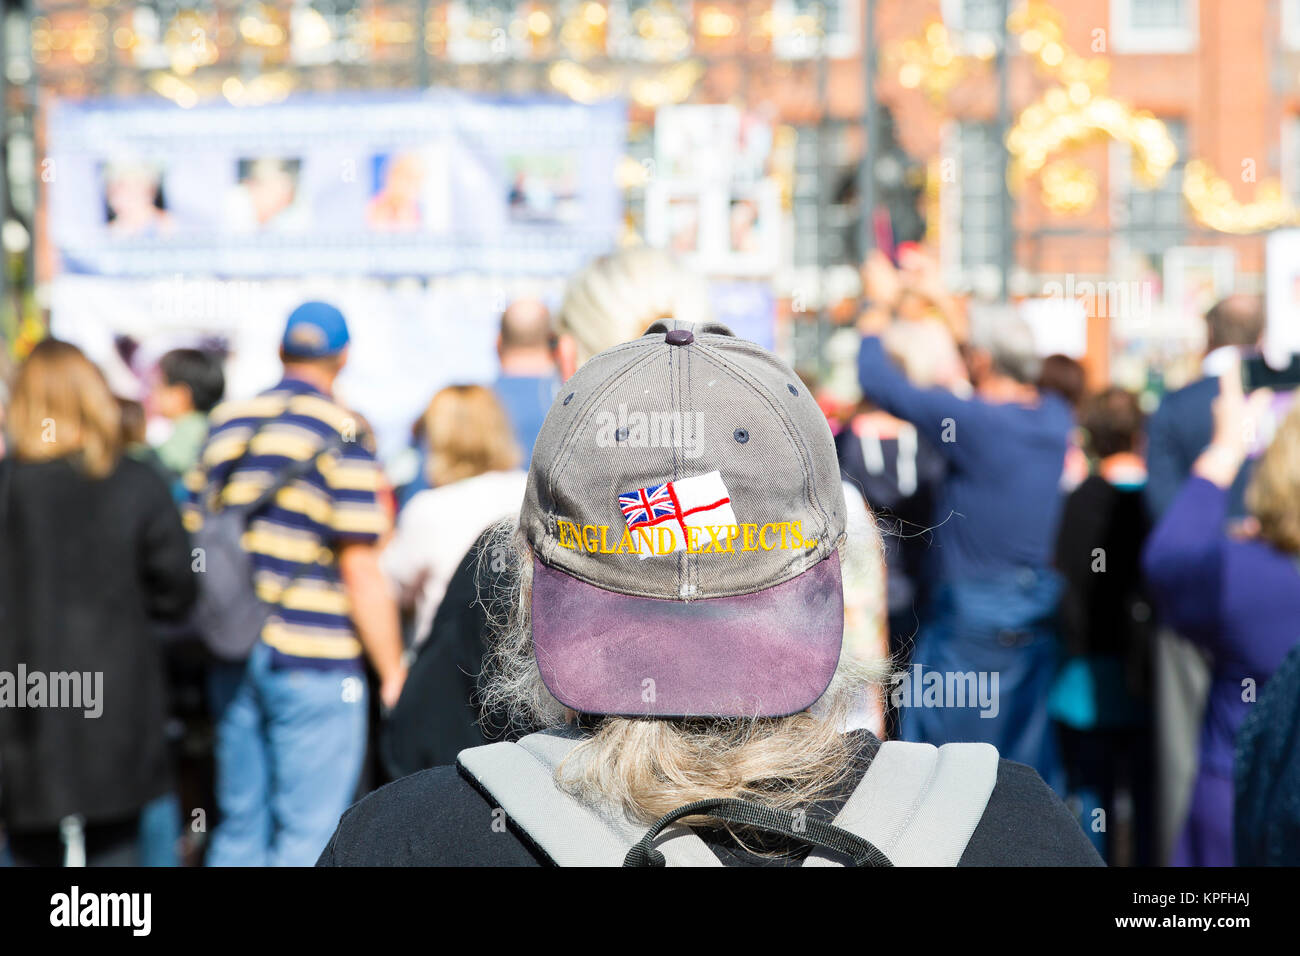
x: 646, y: 767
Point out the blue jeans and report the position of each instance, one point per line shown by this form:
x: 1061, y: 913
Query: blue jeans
x: 289, y: 749
x: 1003, y: 626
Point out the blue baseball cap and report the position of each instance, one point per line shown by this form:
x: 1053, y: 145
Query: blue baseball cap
x: 314, y: 330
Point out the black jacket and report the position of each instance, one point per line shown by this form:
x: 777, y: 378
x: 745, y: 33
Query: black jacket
x: 86, y: 569
x: 1176, y: 435
x: 438, y: 714
x: 438, y: 818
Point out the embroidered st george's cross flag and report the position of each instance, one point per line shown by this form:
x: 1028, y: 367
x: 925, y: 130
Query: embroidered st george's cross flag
x: 698, y: 502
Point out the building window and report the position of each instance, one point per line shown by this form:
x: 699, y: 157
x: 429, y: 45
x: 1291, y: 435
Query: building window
x: 1290, y: 159
x: 976, y: 24
x: 1151, y: 220
x: 825, y: 198
x: 980, y: 185
x: 1153, y: 26
x: 801, y: 24
x: 1291, y: 24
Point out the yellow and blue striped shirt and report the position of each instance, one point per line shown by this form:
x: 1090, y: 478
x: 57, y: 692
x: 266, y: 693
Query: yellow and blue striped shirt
x: 294, y: 540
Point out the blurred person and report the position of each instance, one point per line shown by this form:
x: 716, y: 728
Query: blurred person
x: 913, y: 290
x: 900, y: 474
x: 188, y: 386
x: 664, y: 679
x: 1101, y: 698
x: 616, y: 297
x: 928, y: 355
x: 1065, y: 376
x: 1266, y: 814
x: 291, y: 719
x: 474, y: 470
x: 135, y: 425
x: 160, y: 820
x: 994, y: 604
x: 92, y: 555
x: 1179, y: 430
x: 1236, y: 597
x: 528, y: 379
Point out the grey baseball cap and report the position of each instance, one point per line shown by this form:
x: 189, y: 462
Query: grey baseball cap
x: 684, y: 507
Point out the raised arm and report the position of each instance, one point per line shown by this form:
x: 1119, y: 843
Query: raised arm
x: 936, y: 412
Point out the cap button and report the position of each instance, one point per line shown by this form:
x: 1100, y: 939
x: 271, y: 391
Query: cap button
x: 680, y: 337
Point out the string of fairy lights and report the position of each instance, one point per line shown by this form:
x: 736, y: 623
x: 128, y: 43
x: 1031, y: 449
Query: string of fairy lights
x: 650, y: 51
x: 1074, y: 111
x: 641, y: 49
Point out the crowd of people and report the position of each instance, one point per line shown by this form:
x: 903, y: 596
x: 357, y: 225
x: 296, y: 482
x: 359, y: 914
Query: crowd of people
x: 985, y: 550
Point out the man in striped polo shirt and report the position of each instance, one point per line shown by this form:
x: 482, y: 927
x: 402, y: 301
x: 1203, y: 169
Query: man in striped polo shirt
x: 291, y: 720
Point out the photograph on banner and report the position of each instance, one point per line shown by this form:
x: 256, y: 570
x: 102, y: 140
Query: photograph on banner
x: 267, y: 197
x: 1196, y: 277
x: 716, y: 229
x: 1282, y: 337
x: 711, y: 201
x: 753, y: 229
x: 409, y: 191
x: 133, y: 201
x: 696, y: 142
x: 682, y: 217
x: 543, y: 187
x: 424, y: 184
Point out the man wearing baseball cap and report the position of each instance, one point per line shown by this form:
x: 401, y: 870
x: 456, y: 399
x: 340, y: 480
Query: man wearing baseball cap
x: 291, y: 705
x: 675, y: 628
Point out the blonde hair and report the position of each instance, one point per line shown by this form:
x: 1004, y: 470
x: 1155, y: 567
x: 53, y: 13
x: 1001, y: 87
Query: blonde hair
x: 646, y: 767
x: 925, y: 349
x: 61, y: 407
x: 1273, y: 496
x: 468, y: 433
x: 616, y: 297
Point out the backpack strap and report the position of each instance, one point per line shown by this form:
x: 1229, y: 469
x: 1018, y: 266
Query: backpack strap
x: 919, y: 803
x: 520, y: 777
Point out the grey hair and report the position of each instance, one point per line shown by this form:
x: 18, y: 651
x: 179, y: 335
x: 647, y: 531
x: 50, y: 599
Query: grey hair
x: 648, y: 766
x: 1009, y: 340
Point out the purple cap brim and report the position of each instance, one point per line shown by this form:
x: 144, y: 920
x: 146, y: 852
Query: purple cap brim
x: 765, y: 654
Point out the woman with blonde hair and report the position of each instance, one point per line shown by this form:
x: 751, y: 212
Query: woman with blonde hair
x: 616, y: 297
x: 92, y: 555
x: 473, y: 467
x: 1239, y: 598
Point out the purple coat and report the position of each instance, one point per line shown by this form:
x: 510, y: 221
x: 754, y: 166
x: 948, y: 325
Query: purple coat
x: 1240, y: 600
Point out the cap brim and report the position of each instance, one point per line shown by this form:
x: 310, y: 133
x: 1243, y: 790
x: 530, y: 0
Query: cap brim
x: 766, y: 654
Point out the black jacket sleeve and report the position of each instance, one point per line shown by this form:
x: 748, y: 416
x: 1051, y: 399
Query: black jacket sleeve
x: 166, y: 564
x: 1026, y: 824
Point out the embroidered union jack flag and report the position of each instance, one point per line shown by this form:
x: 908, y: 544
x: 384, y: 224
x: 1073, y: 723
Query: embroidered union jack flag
x: 697, y: 502
x: 645, y: 505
